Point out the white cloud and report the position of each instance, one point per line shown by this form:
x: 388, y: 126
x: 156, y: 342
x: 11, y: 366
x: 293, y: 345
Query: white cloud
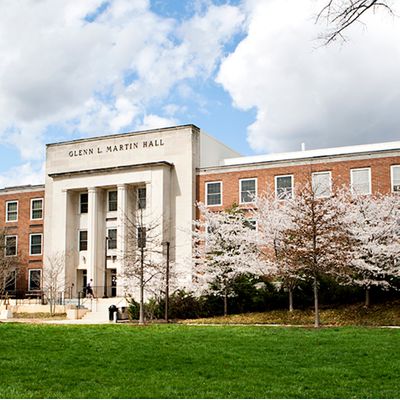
x: 152, y: 121
x: 26, y: 174
x: 99, y: 74
x: 304, y: 92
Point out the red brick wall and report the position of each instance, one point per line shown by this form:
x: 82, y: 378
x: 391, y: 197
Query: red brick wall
x: 340, y: 172
x: 23, y: 228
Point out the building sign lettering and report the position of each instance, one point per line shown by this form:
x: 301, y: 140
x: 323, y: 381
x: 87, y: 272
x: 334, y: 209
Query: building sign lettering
x: 144, y: 144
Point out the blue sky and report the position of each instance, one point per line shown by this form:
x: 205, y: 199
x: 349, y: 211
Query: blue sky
x: 250, y: 72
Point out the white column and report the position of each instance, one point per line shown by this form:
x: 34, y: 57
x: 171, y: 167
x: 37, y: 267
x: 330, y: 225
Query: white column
x: 93, y: 227
x: 121, y: 230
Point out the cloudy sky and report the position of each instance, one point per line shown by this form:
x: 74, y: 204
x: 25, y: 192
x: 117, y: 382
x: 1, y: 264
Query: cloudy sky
x: 252, y: 73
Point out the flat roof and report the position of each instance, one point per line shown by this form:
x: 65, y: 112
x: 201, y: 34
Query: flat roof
x: 332, y: 151
x: 22, y: 188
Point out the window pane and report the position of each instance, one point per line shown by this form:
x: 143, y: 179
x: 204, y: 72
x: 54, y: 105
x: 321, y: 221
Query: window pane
x: 284, y: 189
x: 12, y: 211
x: 321, y: 184
x: 141, y: 195
x: 247, y: 190
x: 84, y: 200
x: 37, y: 209
x: 11, y: 245
x: 10, y: 282
x: 214, y: 193
x: 34, y: 279
x: 83, y: 240
x: 112, y: 239
x: 36, y: 244
x: 112, y: 201
x: 360, y: 181
x: 141, y: 237
x: 396, y: 178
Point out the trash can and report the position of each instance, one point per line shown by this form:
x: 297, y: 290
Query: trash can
x: 123, y: 313
x: 111, y: 310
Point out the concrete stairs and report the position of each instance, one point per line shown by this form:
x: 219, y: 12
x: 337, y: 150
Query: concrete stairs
x: 98, y: 308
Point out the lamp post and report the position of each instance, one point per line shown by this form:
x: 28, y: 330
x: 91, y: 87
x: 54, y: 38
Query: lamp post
x: 105, y: 267
x: 167, y: 283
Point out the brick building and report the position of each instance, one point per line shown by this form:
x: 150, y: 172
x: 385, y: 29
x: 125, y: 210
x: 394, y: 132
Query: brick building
x: 21, y: 217
x: 93, y: 184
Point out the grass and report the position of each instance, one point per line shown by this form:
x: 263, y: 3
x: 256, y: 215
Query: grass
x: 175, y: 361
x: 387, y: 314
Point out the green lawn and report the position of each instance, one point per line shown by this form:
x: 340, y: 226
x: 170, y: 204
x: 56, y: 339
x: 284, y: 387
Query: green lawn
x: 125, y: 361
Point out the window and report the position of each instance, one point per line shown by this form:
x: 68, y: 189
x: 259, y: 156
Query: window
x: 11, y: 281
x: 252, y: 224
x: 395, y: 169
x: 11, y: 245
x: 34, y: 279
x: 11, y: 211
x: 141, y: 237
x: 284, y: 186
x: 35, y: 244
x: 248, y: 190
x: 112, y: 200
x: 37, y: 209
x: 360, y: 180
x: 83, y: 203
x: 112, y: 239
x: 214, y: 193
x: 83, y: 239
x: 321, y: 184
x: 141, y: 197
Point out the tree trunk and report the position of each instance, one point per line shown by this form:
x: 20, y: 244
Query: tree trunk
x: 225, y: 303
x: 141, y: 301
x: 316, y: 308
x: 367, y: 297
x: 290, y: 299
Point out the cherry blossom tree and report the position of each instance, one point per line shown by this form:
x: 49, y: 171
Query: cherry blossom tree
x: 273, y: 220
x: 374, y: 223
x: 317, y: 240
x: 224, y: 247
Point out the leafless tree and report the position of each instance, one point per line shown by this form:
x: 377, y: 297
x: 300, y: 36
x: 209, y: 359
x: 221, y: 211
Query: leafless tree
x: 340, y: 14
x: 53, y: 281
x: 144, y: 264
x: 9, y: 263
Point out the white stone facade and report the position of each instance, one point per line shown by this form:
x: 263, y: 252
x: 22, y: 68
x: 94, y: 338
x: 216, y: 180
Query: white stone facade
x: 161, y: 163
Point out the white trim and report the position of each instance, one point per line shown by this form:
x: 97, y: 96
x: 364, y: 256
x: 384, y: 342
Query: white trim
x: 11, y: 201
x: 5, y: 245
x: 276, y: 186
x: 221, y: 194
x: 29, y: 280
x: 108, y: 200
x: 330, y: 182
x: 31, y: 209
x: 30, y: 243
x: 256, y: 222
x: 240, y: 190
x: 369, y: 180
x: 392, y: 178
x: 116, y: 238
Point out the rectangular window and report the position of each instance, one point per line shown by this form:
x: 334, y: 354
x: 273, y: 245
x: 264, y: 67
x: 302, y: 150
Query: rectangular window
x: 83, y: 203
x: 360, y: 180
x: 11, y: 281
x: 141, y: 237
x: 252, y: 224
x: 37, y: 209
x: 395, y: 169
x: 112, y: 239
x: 248, y: 190
x: 83, y: 239
x: 284, y: 186
x: 112, y: 200
x: 10, y: 245
x: 34, y: 279
x: 321, y: 184
x: 11, y: 211
x: 35, y: 244
x: 141, y: 198
x: 214, y: 193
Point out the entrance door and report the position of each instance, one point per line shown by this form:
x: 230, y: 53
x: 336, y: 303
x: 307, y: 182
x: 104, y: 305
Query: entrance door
x: 113, y: 283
